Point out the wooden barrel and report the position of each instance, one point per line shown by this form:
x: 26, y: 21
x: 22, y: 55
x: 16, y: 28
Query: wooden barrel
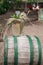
x: 21, y: 50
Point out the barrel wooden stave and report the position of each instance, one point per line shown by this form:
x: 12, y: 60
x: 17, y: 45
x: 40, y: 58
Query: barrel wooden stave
x: 23, y: 51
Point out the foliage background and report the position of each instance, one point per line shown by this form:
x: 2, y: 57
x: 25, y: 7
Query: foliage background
x: 6, y: 5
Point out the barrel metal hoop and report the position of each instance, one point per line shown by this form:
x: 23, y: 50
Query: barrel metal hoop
x: 40, y: 50
x: 15, y: 51
x: 6, y: 51
x: 31, y: 50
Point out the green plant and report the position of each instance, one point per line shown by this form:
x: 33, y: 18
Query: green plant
x: 5, y: 5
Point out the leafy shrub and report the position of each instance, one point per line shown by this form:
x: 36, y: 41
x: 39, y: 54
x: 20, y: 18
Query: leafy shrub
x: 5, y: 6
